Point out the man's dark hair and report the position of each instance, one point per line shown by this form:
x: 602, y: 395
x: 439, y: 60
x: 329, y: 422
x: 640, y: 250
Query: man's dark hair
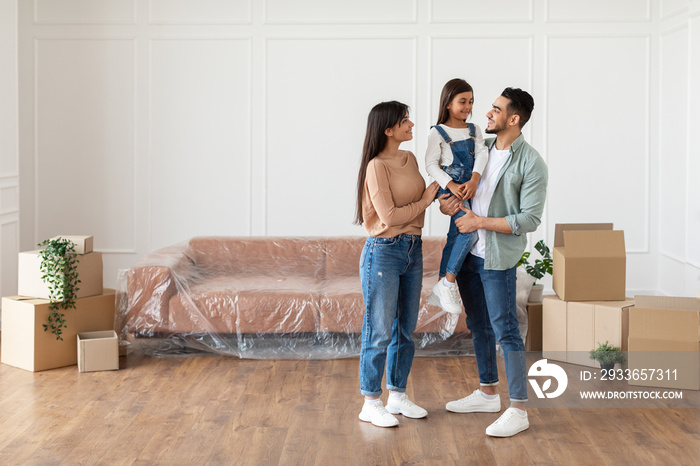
x: 521, y: 103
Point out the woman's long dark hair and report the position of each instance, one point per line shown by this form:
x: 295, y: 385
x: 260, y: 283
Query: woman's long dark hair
x: 382, y: 117
x: 449, y: 91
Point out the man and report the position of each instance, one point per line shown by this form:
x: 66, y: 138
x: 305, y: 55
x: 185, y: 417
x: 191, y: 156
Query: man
x: 508, y: 204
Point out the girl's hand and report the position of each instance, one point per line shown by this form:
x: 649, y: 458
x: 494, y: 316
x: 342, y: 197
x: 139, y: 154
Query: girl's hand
x: 469, y: 188
x: 431, y: 191
x: 455, y: 189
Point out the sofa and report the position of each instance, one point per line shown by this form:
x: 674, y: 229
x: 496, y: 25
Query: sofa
x: 266, y: 297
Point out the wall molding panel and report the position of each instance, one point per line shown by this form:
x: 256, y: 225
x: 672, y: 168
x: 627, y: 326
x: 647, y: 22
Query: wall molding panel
x: 598, y: 11
x: 315, y: 12
x: 74, y: 12
x: 292, y: 64
x: 200, y: 12
x: 474, y: 11
x: 65, y: 148
x: 198, y: 104
x: 177, y: 118
x: 630, y: 116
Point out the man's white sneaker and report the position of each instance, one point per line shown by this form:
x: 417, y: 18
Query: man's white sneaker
x: 510, y: 423
x: 377, y: 415
x: 475, y: 403
x: 446, y: 297
x: 406, y: 407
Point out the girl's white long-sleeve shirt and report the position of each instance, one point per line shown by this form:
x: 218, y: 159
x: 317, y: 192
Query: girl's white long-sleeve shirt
x: 439, y: 153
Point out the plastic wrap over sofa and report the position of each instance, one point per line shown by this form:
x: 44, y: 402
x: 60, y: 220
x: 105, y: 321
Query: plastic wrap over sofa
x: 266, y: 297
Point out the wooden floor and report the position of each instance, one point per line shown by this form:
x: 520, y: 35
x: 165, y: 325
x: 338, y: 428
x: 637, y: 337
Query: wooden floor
x: 223, y: 410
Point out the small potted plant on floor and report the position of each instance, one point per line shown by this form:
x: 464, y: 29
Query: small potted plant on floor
x: 538, y: 269
x: 608, y: 355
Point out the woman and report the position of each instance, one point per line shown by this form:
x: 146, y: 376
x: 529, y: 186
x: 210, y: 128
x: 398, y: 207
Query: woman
x: 391, y: 203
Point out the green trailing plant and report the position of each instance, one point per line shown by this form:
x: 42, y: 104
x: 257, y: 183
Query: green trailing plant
x: 607, y: 354
x: 541, y: 266
x: 59, y: 268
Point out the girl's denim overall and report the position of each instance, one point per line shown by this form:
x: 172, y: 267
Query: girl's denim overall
x: 458, y: 244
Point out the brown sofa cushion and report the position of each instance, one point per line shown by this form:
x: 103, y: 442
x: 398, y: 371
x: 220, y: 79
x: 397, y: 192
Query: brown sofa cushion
x: 250, y: 304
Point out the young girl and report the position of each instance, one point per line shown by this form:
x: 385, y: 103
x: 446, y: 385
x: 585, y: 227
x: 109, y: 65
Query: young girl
x: 391, y: 203
x: 455, y: 158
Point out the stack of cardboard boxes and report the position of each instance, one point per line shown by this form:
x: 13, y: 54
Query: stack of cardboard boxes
x: 590, y: 308
x: 25, y: 343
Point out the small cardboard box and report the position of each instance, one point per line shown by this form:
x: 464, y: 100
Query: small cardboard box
x: 26, y: 345
x: 570, y: 329
x: 664, y: 337
x: 29, y: 282
x: 533, y: 341
x: 98, y: 351
x: 83, y: 244
x: 589, y: 262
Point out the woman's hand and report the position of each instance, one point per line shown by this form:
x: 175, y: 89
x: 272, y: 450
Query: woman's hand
x: 449, y: 205
x: 430, y: 192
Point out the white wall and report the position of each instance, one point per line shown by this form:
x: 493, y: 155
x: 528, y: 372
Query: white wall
x: 9, y: 151
x: 147, y: 122
x: 679, y: 148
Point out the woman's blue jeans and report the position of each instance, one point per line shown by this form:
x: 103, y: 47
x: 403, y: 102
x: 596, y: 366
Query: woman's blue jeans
x: 489, y: 299
x: 391, y: 273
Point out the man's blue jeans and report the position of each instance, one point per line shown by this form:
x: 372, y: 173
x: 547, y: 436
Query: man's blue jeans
x: 489, y: 299
x: 391, y: 273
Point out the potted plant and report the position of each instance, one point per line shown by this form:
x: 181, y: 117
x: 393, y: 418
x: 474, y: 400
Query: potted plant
x: 608, y: 355
x: 538, y: 269
x: 59, y: 268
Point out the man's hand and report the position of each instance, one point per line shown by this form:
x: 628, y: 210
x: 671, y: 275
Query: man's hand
x: 467, y: 223
x: 449, y: 205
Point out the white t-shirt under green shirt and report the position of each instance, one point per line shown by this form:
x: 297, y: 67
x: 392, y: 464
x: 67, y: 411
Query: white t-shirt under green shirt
x: 484, y: 193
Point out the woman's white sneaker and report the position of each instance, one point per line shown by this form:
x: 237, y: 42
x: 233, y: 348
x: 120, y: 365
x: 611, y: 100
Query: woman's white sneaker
x: 510, y: 423
x: 377, y: 415
x: 406, y: 407
x: 475, y: 403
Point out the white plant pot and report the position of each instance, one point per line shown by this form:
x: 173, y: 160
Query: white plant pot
x: 536, y: 294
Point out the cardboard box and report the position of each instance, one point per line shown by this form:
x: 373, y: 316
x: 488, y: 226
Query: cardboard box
x: 664, y: 337
x: 570, y: 329
x: 554, y: 328
x: 98, y: 351
x: 589, y: 262
x: 83, y: 244
x: 533, y: 341
x: 26, y: 345
x: 29, y: 282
